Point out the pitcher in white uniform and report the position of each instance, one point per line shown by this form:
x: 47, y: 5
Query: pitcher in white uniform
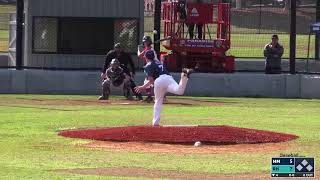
x: 163, y: 82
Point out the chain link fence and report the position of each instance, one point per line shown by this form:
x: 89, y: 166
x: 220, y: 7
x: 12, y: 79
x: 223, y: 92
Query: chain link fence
x: 255, y: 21
x: 126, y: 33
x: 5, y: 11
x: 253, y: 24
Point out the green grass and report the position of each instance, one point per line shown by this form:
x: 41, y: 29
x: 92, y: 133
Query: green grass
x: 5, y: 9
x: 4, y: 25
x: 251, y: 45
x: 4, y: 36
x: 31, y: 149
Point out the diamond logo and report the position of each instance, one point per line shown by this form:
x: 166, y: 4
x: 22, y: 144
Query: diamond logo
x: 309, y: 168
x: 194, y: 12
x: 304, y: 162
x: 299, y: 167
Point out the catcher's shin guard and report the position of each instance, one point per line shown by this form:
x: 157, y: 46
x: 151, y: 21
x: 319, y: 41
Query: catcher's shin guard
x: 105, y: 89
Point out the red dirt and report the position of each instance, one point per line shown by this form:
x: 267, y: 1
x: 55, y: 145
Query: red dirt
x: 220, y: 135
x: 186, y: 149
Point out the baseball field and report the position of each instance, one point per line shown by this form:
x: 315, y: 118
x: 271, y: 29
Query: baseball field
x: 32, y: 149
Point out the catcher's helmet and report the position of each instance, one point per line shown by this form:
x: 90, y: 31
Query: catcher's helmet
x: 115, y: 63
x: 150, y: 55
x: 147, y: 39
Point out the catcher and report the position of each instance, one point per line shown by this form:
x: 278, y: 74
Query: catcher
x: 116, y: 76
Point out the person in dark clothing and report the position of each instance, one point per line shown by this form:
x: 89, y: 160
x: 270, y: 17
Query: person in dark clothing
x: 191, y: 30
x: 126, y: 64
x: 116, y: 76
x: 199, y: 26
x: 273, y: 52
x: 123, y: 57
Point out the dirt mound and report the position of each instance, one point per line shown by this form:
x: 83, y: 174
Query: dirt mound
x: 181, y: 135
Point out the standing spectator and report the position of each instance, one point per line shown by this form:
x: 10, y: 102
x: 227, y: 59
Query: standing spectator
x: 273, y: 53
x: 126, y: 64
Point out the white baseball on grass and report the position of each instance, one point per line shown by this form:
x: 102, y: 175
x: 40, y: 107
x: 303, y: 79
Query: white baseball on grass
x: 197, y: 144
x: 155, y: 32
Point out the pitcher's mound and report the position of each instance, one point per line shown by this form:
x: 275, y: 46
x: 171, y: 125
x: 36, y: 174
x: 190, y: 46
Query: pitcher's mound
x: 181, y: 134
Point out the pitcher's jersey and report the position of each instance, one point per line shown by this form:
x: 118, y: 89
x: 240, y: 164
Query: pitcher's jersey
x: 155, y: 69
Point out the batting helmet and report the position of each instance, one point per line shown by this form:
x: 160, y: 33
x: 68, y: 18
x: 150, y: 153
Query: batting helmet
x: 150, y: 55
x: 115, y: 63
x: 118, y: 45
x: 147, y: 39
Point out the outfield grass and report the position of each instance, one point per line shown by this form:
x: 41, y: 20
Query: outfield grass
x: 4, y: 25
x: 4, y: 36
x: 5, y: 9
x: 31, y: 148
x: 250, y: 42
x: 251, y: 45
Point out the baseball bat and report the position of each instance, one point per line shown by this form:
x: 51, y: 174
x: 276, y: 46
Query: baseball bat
x: 160, y: 40
x: 163, y: 39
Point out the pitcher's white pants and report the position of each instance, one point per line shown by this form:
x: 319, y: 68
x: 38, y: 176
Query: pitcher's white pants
x: 162, y: 85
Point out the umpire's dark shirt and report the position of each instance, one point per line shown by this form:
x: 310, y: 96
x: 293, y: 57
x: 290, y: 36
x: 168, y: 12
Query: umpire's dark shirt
x: 124, y: 58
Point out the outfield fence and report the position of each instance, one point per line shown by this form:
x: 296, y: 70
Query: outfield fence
x: 5, y: 11
x: 253, y: 24
x: 255, y: 21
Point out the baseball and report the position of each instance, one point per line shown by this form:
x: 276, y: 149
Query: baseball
x: 155, y: 32
x: 197, y: 144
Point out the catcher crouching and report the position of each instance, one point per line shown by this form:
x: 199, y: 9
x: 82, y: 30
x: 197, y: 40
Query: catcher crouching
x: 116, y: 76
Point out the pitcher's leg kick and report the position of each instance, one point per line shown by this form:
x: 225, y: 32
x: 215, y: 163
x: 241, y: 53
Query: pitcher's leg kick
x: 163, y: 82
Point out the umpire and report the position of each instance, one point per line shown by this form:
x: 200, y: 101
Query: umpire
x: 126, y: 63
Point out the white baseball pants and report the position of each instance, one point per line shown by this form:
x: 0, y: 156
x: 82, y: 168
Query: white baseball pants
x: 162, y: 85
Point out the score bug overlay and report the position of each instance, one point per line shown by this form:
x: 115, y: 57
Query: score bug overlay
x: 292, y: 167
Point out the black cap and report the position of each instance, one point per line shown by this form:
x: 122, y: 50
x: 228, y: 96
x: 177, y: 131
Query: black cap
x: 275, y: 36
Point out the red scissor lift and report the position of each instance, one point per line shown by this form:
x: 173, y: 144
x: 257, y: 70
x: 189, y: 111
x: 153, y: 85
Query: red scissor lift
x: 207, y: 54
